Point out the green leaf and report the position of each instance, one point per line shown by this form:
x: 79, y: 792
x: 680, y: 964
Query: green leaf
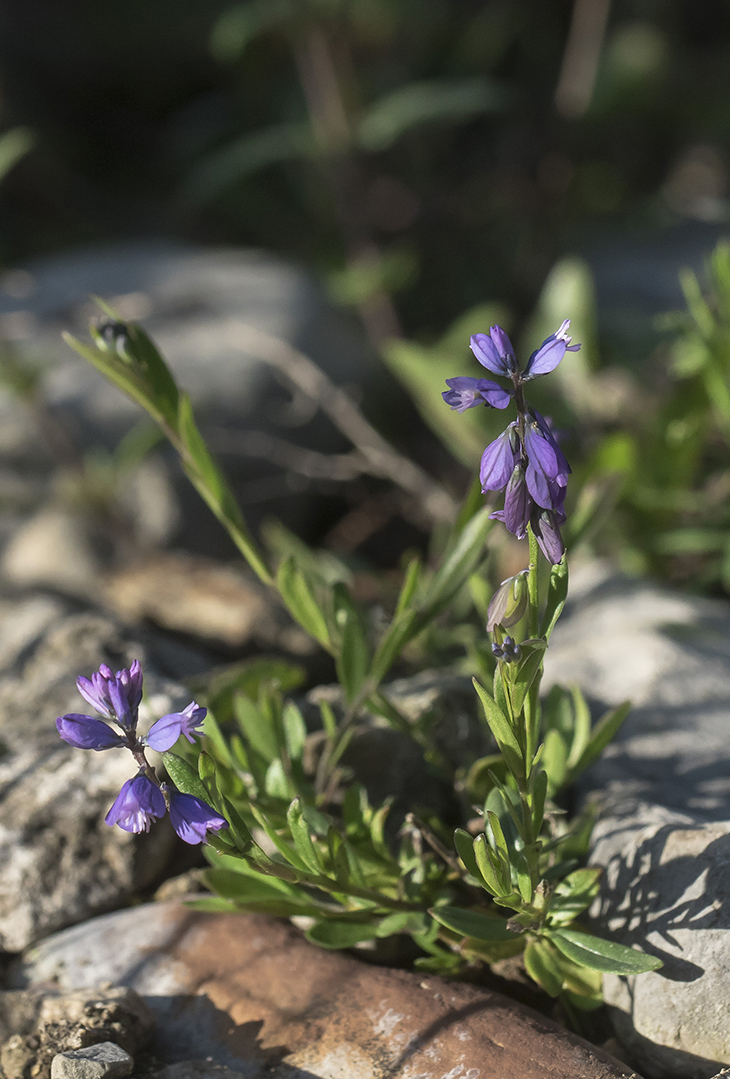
x: 334, y: 934
x: 256, y: 728
x: 277, y: 783
x: 603, y: 733
x: 541, y: 965
x: 502, y: 731
x: 525, y: 672
x: 353, y: 659
x: 581, y: 726
x: 540, y: 786
x: 245, y: 156
x: 491, y: 869
x: 302, y: 840
x: 184, y: 776
x: 14, y: 145
x: 299, y: 598
x: 557, y: 594
x: 242, y: 23
x: 444, y: 100
x: 401, y: 630
x: 472, y: 923
x: 573, y: 895
x: 282, y: 845
x: 464, y: 844
x: 555, y: 758
x: 460, y: 563
x: 604, y: 955
x: 411, y: 580
x: 295, y: 730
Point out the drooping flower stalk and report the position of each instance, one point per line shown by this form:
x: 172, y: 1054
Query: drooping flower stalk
x: 143, y: 798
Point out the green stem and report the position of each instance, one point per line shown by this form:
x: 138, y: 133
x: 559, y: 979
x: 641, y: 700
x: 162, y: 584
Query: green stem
x: 533, y: 608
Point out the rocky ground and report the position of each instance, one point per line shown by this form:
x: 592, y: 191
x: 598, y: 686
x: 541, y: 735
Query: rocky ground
x: 96, y: 988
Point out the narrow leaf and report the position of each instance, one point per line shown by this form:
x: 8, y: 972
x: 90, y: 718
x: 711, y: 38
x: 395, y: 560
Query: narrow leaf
x: 472, y: 923
x: 604, y: 955
x: 302, y: 839
x: 557, y: 594
x: 502, y: 731
x: 299, y: 598
x: 603, y: 733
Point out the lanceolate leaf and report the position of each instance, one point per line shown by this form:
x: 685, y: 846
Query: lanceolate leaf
x: 472, y: 923
x: 603, y: 732
x: 603, y: 955
x: 300, y: 600
x: 502, y: 731
x: 184, y: 776
x: 333, y: 933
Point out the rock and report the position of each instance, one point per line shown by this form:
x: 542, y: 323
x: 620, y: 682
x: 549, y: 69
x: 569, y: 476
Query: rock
x: 188, y: 299
x: 252, y: 995
x: 19, y: 1009
x: 200, y: 597
x: 61, y: 863
x: 103, y: 1061
x: 52, y: 548
x: 75, y: 1025
x: 663, y: 834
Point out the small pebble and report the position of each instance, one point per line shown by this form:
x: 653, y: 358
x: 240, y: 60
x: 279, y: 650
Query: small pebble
x: 104, y: 1061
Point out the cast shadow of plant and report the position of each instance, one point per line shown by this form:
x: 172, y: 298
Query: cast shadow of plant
x: 657, y: 892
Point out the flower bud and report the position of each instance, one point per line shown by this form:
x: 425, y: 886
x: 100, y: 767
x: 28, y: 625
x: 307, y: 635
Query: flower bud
x: 509, y: 602
x: 508, y: 651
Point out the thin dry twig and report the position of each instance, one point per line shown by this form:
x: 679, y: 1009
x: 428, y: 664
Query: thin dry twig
x: 381, y: 459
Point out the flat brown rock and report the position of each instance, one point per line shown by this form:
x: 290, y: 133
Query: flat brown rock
x: 250, y: 993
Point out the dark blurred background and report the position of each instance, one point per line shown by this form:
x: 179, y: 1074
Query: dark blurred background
x: 419, y: 168
x: 472, y: 143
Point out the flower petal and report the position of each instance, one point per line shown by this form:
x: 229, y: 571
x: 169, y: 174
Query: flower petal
x: 85, y: 732
x: 498, y: 461
x: 192, y: 818
x: 547, y: 357
x: 517, y: 503
x: 138, y: 803
x: 494, y: 351
x: 547, y: 533
x: 163, y: 734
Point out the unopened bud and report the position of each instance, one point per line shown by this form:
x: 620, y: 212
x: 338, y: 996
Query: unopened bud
x: 508, y: 651
x: 112, y: 336
x: 509, y: 602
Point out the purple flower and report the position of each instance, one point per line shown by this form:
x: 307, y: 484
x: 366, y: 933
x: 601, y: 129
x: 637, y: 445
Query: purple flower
x: 545, y: 524
x: 138, y: 803
x: 517, y: 503
x: 192, y: 818
x: 467, y: 392
x: 547, y: 357
x: 499, y: 460
x: 114, y: 696
x: 494, y: 351
x: 543, y: 467
x: 163, y: 734
x: 85, y: 732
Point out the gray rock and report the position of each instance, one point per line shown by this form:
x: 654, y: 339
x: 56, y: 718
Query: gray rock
x: 248, y: 993
x: 189, y: 300
x: 47, y: 1024
x: 103, y: 1061
x: 663, y: 835
x: 61, y: 863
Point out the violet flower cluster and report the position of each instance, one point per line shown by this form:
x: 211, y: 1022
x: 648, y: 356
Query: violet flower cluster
x: 143, y: 798
x: 525, y: 461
